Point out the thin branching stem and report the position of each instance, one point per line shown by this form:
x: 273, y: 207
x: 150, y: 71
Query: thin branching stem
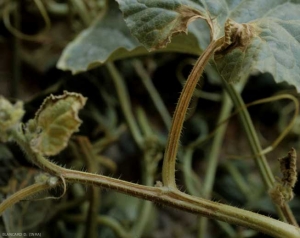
x: 94, y: 192
x: 22, y: 194
x: 212, y: 160
x: 155, y: 96
x: 124, y: 100
x: 110, y: 222
x: 165, y: 195
x: 268, y: 178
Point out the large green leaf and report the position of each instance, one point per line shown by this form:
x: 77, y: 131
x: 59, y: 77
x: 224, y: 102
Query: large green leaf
x: 154, y: 22
x: 109, y: 39
x: 273, y: 47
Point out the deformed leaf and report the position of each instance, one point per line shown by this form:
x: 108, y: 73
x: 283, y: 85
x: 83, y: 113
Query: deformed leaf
x: 109, y: 39
x: 154, y: 22
x: 54, y: 123
x: 10, y: 116
x: 274, y: 45
x: 274, y: 49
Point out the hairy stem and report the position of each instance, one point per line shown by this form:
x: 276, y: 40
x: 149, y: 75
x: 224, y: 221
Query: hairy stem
x: 168, y: 175
x: 186, y: 202
x: 94, y: 192
x: 23, y: 193
x: 167, y: 196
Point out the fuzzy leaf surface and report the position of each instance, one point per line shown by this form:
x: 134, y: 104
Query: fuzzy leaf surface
x: 110, y: 39
x: 273, y: 48
x: 154, y: 22
x: 54, y: 123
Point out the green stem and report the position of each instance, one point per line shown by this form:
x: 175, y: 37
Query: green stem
x: 192, y: 184
x: 23, y: 193
x: 94, y: 192
x: 155, y: 96
x: 64, y: 206
x: 149, y: 165
x: 168, y: 175
x: 182, y: 201
x: 213, y: 159
x: 260, y: 160
x: 82, y: 12
x: 101, y: 220
x: 284, y: 212
x: 125, y: 103
x: 57, y: 9
x: 239, y: 180
x: 231, y: 233
x: 136, y: 133
x: 214, y: 155
x: 210, y: 173
x: 165, y: 195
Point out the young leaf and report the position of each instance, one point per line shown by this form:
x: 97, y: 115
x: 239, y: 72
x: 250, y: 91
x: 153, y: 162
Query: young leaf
x: 54, y: 123
x: 109, y: 39
x: 10, y: 116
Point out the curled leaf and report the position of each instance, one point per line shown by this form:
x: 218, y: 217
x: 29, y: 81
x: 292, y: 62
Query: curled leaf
x: 54, y: 123
x: 10, y: 115
x: 236, y: 36
x: 153, y: 23
x: 263, y: 35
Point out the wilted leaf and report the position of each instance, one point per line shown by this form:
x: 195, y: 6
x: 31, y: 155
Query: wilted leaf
x: 154, y: 22
x: 54, y: 123
x: 274, y: 46
x: 110, y: 39
x: 10, y: 115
